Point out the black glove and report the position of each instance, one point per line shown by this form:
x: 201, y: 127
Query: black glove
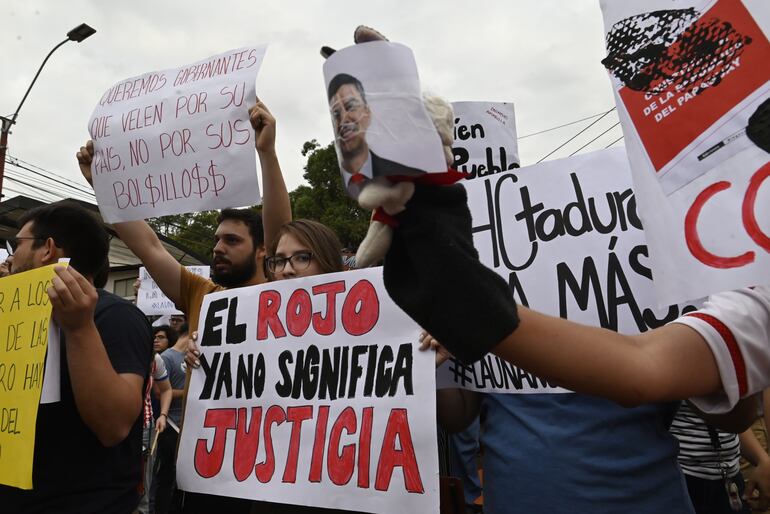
x: 432, y: 271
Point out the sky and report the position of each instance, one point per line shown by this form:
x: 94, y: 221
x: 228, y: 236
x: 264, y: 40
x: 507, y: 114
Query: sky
x: 542, y: 55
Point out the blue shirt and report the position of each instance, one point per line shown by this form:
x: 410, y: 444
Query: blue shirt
x: 570, y: 453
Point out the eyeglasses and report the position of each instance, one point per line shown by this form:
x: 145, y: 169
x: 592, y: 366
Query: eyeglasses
x: 13, y: 241
x: 299, y: 261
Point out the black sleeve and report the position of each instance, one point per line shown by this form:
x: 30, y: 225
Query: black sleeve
x: 127, y: 337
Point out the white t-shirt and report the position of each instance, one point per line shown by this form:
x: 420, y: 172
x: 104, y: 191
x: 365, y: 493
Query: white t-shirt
x: 736, y: 326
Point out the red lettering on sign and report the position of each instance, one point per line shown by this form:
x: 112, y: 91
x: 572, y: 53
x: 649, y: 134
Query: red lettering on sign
x: 265, y: 470
x: 390, y: 457
x: 269, y: 303
x: 342, y: 463
x: 295, y: 416
x: 208, y: 463
x: 361, y: 309
x: 246, y: 443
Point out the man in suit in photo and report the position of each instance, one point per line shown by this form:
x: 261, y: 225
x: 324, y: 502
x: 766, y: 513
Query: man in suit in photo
x: 351, y: 116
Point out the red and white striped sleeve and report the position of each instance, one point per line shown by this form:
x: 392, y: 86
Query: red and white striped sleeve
x: 736, y: 326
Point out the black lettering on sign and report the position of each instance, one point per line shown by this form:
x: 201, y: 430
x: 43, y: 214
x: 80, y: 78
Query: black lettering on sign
x: 312, y: 373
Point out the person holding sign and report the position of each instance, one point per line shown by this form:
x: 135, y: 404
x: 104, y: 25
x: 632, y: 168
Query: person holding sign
x: 238, y: 253
x: 240, y: 236
x: 87, y: 445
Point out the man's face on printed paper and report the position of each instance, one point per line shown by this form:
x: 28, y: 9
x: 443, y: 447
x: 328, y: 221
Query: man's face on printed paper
x: 351, y: 117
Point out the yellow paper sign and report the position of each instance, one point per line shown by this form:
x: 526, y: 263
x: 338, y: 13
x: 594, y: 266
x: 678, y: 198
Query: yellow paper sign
x: 25, y: 311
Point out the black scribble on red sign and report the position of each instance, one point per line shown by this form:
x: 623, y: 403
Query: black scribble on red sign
x: 673, y: 50
x: 759, y: 126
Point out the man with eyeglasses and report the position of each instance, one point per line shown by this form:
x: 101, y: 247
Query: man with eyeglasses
x: 88, y: 445
x: 239, y: 253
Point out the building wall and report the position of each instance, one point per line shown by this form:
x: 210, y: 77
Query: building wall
x: 122, y: 283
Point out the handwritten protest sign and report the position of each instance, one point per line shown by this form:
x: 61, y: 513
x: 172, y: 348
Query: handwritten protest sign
x: 484, y: 138
x: 177, y: 140
x: 312, y: 392
x: 381, y: 127
x: 25, y: 312
x: 566, y: 236
x: 151, y: 300
x: 692, y: 87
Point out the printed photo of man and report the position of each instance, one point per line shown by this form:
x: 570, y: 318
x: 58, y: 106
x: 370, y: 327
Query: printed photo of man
x: 352, y: 116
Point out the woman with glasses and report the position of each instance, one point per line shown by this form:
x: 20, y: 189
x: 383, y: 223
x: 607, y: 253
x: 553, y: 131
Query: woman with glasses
x: 303, y: 248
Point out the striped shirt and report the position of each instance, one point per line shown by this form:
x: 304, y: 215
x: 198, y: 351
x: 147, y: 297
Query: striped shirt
x: 697, y: 455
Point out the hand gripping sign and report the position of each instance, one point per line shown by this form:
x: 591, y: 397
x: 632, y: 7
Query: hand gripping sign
x: 312, y: 392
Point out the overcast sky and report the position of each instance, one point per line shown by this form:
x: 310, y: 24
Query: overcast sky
x: 542, y: 55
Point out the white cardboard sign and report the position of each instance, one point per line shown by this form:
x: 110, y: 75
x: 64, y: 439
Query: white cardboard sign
x: 177, y: 140
x: 312, y: 392
x: 152, y: 301
x: 484, y: 138
x: 566, y: 236
x: 697, y: 131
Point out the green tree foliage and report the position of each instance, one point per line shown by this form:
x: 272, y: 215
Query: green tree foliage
x: 324, y: 200
x: 193, y: 231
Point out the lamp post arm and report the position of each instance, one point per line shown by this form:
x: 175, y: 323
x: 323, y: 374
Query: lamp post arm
x: 16, y: 114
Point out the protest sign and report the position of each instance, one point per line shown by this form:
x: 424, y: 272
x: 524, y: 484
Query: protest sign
x: 177, y: 140
x: 566, y: 236
x: 484, y: 138
x: 151, y: 300
x: 381, y: 127
x: 25, y: 312
x: 312, y: 392
x: 693, y: 93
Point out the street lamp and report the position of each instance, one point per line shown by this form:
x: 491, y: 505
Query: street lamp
x: 77, y: 34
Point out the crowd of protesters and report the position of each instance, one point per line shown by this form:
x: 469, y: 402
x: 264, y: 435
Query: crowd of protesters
x: 123, y: 382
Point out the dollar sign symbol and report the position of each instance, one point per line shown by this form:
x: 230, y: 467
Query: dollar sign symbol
x: 214, y: 175
x: 153, y: 189
x: 195, y: 172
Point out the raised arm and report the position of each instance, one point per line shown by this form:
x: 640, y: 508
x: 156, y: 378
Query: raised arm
x: 276, y: 208
x: 141, y: 239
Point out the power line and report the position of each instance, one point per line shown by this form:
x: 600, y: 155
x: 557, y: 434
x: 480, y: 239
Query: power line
x: 90, y: 197
x: 561, y: 126
x: 609, y: 145
x: 15, y: 162
x: 85, y: 189
x: 576, y: 135
x: 37, y: 182
x: 594, y: 139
